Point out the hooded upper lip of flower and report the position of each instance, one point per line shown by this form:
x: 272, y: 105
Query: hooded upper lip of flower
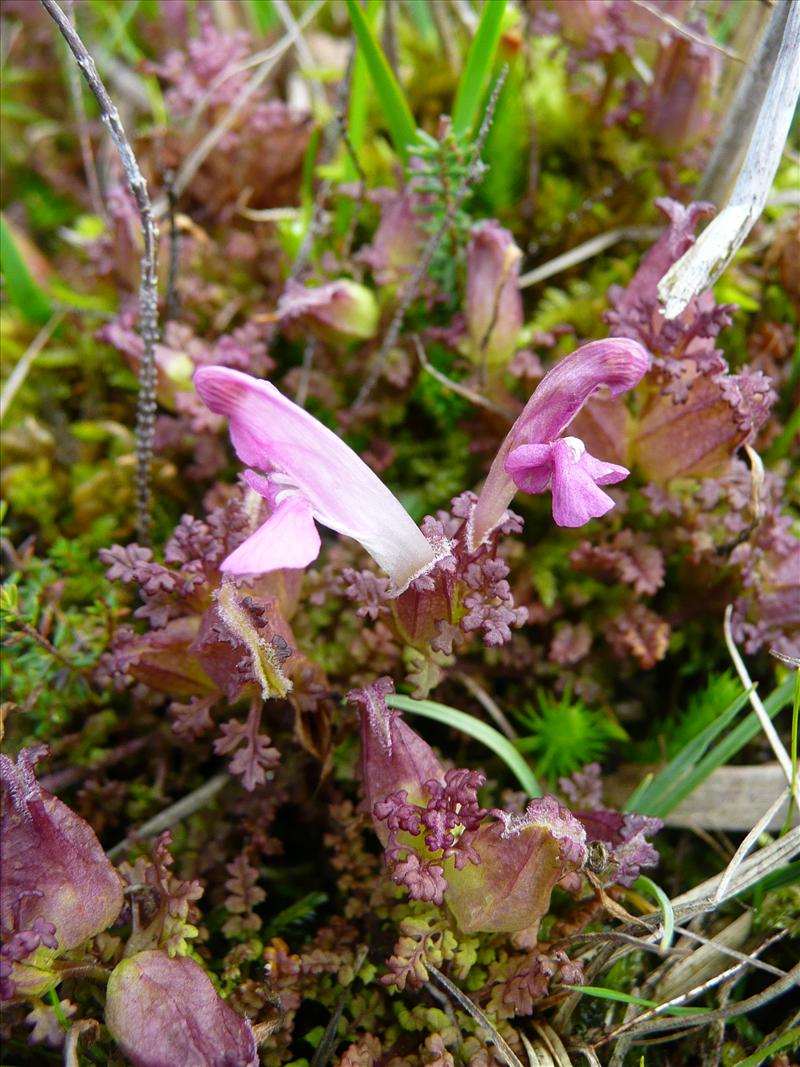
x: 309, y: 473
x: 532, y: 456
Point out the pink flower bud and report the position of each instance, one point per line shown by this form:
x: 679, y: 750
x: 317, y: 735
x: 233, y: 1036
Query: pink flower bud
x: 494, y: 306
x: 394, y: 757
x: 398, y: 241
x: 163, y: 1012
x: 57, y: 887
x: 676, y: 112
x: 341, y: 310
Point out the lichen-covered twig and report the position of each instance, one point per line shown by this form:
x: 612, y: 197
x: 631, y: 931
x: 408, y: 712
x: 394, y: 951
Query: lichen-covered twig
x: 148, y: 291
x: 87, y: 156
x: 172, y: 304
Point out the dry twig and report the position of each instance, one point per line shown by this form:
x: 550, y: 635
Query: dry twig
x: 503, y: 1048
x: 167, y: 818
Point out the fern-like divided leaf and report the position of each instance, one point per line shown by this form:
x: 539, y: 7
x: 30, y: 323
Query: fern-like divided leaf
x: 296, y: 914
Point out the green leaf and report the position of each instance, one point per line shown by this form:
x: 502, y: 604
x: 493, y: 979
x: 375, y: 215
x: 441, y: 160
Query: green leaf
x: 479, y: 64
x: 262, y: 14
x: 23, y: 292
x: 626, y: 998
x: 390, y: 96
x: 481, y: 731
x: 791, y: 1037
x: 298, y: 912
x: 694, y: 763
x: 644, y: 885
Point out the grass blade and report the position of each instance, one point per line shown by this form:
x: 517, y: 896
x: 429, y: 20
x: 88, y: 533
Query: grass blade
x: 478, y: 67
x: 626, y: 998
x: 695, y: 763
x: 23, y: 292
x: 481, y: 731
x: 402, y: 128
x: 644, y: 885
x: 656, y: 787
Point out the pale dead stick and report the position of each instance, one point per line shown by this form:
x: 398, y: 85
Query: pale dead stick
x: 175, y: 813
x: 593, y: 247
x: 747, y: 844
x: 689, y: 34
x: 755, y: 700
x: 716, y: 246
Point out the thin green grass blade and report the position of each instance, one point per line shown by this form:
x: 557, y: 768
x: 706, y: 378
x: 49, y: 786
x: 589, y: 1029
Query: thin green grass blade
x: 261, y: 14
x: 357, y: 114
x: 644, y: 885
x: 481, y: 731
x: 795, y: 726
x: 666, y: 791
x: 475, y: 77
x: 23, y: 292
x: 791, y: 1037
x: 729, y: 746
x: 655, y: 788
x: 626, y: 998
x: 402, y: 128
x: 419, y: 11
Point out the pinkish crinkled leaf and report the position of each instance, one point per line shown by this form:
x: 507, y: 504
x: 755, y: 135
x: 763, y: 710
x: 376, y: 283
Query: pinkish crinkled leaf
x: 520, y: 860
x: 163, y: 1012
x: 635, y: 310
x: 699, y: 435
x: 626, y: 837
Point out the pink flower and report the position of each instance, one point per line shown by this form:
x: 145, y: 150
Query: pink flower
x: 571, y: 473
x: 533, y: 456
x: 309, y: 474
